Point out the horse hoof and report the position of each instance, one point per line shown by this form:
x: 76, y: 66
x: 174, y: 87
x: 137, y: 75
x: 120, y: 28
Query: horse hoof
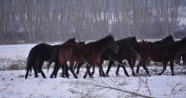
x: 84, y: 77
x: 35, y: 76
x: 133, y: 74
x: 92, y: 73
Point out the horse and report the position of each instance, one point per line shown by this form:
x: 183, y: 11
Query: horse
x: 38, y: 54
x: 89, y: 54
x: 124, y: 45
x: 55, y: 56
x: 167, y: 40
x: 161, y: 53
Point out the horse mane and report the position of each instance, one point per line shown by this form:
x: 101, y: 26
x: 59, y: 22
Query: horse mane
x: 167, y: 40
x: 123, y: 43
x: 100, y: 42
x: 183, y: 40
x: 70, y: 40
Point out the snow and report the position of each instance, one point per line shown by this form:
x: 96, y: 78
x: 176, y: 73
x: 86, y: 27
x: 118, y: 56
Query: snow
x: 14, y: 85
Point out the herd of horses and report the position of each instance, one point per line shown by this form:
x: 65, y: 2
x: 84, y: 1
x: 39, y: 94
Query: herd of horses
x: 94, y: 53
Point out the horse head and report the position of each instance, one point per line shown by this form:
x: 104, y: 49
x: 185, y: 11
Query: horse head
x: 71, y: 40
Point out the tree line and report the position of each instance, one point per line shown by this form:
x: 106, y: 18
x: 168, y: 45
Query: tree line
x: 48, y: 20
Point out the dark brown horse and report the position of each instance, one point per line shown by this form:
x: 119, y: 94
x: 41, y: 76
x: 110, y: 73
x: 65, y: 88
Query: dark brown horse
x: 131, y: 57
x: 161, y: 53
x: 89, y: 54
x: 38, y: 54
x: 167, y: 40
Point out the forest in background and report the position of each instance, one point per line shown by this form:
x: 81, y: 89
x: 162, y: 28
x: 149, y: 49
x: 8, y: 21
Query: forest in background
x: 30, y: 21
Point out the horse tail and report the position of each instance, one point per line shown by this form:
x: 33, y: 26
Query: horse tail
x: 30, y: 60
x: 54, y: 56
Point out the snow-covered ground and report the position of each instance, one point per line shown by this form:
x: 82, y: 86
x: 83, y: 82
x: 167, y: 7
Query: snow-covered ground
x: 13, y: 84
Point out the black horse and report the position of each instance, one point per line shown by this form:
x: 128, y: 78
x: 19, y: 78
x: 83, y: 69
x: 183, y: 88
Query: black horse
x: 108, y: 54
x: 40, y: 53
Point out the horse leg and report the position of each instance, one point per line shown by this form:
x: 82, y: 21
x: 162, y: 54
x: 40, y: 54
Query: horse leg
x: 93, y: 71
x: 138, y: 66
x: 27, y: 71
x: 55, y: 70
x: 40, y: 69
x: 131, y: 66
x: 125, y: 71
x: 87, y: 68
x: 67, y: 68
x: 85, y: 75
x: 63, y: 72
x: 172, y: 67
x: 101, y: 70
x: 144, y: 67
x: 72, y: 70
x: 117, y: 70
x: 78, y: 67
x: 164, y: 68
x: 109, y: 66
x: 35, y: 68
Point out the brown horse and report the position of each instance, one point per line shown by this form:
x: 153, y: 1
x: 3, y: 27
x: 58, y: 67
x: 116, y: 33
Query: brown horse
x: 161, y: 53
x: 55, y: 56
x: 89, y: 54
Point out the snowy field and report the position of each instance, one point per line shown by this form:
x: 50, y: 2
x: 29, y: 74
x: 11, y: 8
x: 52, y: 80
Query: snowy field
x: 13, y: 84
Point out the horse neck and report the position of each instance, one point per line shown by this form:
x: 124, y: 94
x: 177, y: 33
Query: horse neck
x: 123, y: 44
x: 176, y: 46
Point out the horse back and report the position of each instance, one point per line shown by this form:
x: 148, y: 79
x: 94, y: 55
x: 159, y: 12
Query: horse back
x: 163, y: 52
x: 74, y: 51
x: 42, y: 51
